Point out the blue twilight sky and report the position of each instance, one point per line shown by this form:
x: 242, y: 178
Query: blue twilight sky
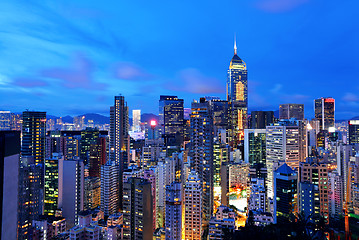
x: 72, y: 57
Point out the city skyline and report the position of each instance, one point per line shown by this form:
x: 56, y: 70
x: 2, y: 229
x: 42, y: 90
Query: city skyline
x: 86, y: 53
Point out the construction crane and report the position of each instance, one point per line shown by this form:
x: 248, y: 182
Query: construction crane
x: 347, y: 232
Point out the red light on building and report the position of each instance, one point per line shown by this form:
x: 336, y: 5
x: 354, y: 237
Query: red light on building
x: 153, y: 123
x: 329, y: 100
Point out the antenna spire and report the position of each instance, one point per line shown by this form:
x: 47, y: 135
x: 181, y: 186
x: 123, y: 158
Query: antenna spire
x: 235, y: 45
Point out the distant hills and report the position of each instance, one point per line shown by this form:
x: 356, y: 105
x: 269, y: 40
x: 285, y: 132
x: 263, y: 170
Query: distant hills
x: 101, y: 119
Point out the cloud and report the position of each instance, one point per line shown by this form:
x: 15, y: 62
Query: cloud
x: 350, y: 97
x: 130, y: 71
x: 193, y: 81
x: 29, y: 83
x: 79, y: 75
x: 278, y: 6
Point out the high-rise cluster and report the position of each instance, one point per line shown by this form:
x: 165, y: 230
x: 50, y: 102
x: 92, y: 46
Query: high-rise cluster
x: 189, y: 173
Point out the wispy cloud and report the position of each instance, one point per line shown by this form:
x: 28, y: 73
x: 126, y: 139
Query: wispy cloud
x: 193, y: 81
x: 29, y: 82
x: 278, y: 6
x: 130, y: 71
x: 79, y: 75
x: 350, y: 97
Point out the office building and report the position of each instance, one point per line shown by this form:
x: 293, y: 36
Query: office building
x: 89, y: 136
x: 34, y: 135
x: 173, y: 219
x: 325, y: 112
x: 285, y: 194
x: 137, y: 209
x: 171, y: 119
x: 260, y: 119
x: 5, y: 120
x: 285, y: 142
x: 316, y: 173
x: 201, y: 151
x: 193, y: 207
x: 9, y: 180
x: 291, y: 110
x: 237, y: 95
x: 110, y: 188
x: 255, y: 146
x: 171, y: 114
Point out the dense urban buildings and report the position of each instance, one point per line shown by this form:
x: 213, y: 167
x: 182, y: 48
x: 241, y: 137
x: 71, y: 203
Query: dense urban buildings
x: 206, y: 172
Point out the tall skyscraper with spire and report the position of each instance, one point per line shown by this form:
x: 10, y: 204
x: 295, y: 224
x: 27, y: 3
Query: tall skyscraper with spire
x: 237, y: 95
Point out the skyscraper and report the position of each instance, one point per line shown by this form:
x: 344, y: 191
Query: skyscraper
x: 192, y: 208
x: 291, y: 110
x: 119, y: 139
x: 325, y: 112
x: 201, y: 151
x: 9, y: 179
x: 237, y: 95
x: 34, y: 133
x: 137, y: 209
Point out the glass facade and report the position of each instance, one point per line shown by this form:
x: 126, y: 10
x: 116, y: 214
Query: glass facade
x: 34, y: 133
x: 51, y: 186
x: 353, y: 127
x: 171, y: 114
x: 288, y: 111
x: 237, y: 95
x: 256, y: 148
x: 325, y: 112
